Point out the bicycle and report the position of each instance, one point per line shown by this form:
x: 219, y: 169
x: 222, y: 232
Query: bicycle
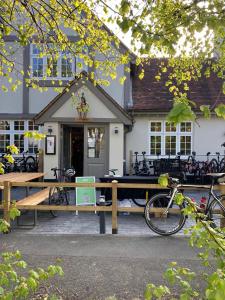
x: 23, y: 164
x: 60, y: 195
x: 165, y: 217
x: 32, y: 163
x: 136, y: 165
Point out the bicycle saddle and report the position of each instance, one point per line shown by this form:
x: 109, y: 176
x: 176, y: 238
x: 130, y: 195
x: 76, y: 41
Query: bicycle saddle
x: 173, y: 180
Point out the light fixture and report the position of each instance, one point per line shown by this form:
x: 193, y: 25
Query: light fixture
x: 50, y: 130
x: 116, y: 130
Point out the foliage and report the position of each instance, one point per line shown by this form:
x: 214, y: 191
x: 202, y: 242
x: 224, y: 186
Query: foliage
x: 66, y: 27
x: 16, y: 286
x: 13, y: 285
x: 211, y: 244
x: 189, y: 34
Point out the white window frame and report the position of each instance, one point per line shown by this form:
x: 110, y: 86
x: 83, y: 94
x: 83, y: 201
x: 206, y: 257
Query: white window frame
x: 12, y: 132
x: 163, y: 133
x: 45, y: 63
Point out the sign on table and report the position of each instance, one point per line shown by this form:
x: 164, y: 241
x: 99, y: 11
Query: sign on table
x: 85, y: 195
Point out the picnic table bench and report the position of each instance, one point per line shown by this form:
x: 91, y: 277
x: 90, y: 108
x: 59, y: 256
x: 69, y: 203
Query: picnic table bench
x: 33, y: 200
x: 29, y: 200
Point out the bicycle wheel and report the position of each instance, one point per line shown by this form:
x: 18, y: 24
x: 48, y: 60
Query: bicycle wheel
x: 161, y: 223
x: 57, y: 196
x: 216, y: 215
x: 213, y: 166
x: 139, y: 202
x: 30, y: 164
x: 222, y: 165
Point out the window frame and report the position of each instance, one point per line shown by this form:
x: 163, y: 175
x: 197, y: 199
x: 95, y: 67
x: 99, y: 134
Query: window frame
x: 59, y: 66
x: 12, y: 132
x: 163, y: 133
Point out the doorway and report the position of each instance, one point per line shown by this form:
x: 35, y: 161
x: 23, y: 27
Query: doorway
x: 77, y: 149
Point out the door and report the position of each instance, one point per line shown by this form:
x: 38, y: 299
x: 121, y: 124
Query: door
x: 77, y: 149
x: 96, y: 153
x: 66, y: 146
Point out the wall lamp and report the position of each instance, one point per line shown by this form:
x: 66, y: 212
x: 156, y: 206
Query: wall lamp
x: 116, y: 130
x: 50, y: 130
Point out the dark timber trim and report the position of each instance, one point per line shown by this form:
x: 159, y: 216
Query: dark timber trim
x: 26, y: 63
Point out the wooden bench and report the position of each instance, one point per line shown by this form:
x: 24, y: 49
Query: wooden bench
x: 33, y: 200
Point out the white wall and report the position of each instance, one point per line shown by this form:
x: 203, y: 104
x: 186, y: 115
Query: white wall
x: 208, y: 135
x: 52, y: 161
x: 38, y: 100
x: 116, y: 144
x: 115, y: 89
x: 12, y: 102
x: 97, y: 108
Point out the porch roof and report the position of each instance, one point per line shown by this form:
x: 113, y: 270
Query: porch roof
x: 46, y: 114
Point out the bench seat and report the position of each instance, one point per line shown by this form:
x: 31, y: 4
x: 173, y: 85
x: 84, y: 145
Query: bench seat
x: 34, y: 199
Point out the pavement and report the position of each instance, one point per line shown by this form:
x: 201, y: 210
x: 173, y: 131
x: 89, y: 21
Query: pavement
x: 99, y: 266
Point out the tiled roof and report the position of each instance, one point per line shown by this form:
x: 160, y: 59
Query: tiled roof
x: 152, y: 95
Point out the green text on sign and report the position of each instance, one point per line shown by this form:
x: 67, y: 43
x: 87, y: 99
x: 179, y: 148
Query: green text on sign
x: 85, y: 195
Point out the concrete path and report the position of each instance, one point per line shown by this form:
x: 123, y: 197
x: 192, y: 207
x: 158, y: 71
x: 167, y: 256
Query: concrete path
x: 100, y: 266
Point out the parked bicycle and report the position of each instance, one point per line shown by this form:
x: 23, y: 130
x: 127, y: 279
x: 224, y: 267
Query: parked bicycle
x: 170, y: 218
x: 217, y: 164
x: 7, y: 166
x: 136, y: 165
x: 60, y: 195
x: 24, y: 163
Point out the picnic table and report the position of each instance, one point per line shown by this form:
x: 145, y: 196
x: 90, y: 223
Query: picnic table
x: 18, y: 177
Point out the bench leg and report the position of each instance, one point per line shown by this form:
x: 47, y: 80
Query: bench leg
x: 35, y: 217
x: 28, y: 225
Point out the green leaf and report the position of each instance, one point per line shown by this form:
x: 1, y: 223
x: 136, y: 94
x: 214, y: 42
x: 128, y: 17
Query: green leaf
x: 179, y: 198
x: 179, y: 113
x: 220, y: 111
x: 125, y: 7
x: 206, y: 111
x: 163, y: 180
x: 124, y: 25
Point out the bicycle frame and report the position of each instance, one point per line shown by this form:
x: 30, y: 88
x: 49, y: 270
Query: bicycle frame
x: 174, y: 190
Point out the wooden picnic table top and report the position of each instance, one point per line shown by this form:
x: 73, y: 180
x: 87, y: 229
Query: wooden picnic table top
x: 19, y: 177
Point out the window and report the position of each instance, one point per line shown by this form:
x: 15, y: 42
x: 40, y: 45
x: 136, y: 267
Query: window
x: 168, y: 139
x: 155, y: 145
x: 170, y: 145
x: 19, y: 125
x: 185, y: 145
x: 4, y: 142
x: 4, y: 125
x: 60, y: 67
x: 95, y: 142
x: 12, y: 132
x: 19, y: 142
x: 32, y: 126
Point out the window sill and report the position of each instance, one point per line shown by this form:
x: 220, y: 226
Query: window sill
x: 52, y: 82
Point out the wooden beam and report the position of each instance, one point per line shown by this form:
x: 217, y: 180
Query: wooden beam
x: 114, y: 207
x: 6, y: 200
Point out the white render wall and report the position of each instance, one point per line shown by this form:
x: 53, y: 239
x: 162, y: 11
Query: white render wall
x: 207, y: 135
x: 38, y: 100
x: 116, y: 146
x: 12, y: 102
x: 97, y: 108
x: 115, y: 89
x: 52, y: 161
